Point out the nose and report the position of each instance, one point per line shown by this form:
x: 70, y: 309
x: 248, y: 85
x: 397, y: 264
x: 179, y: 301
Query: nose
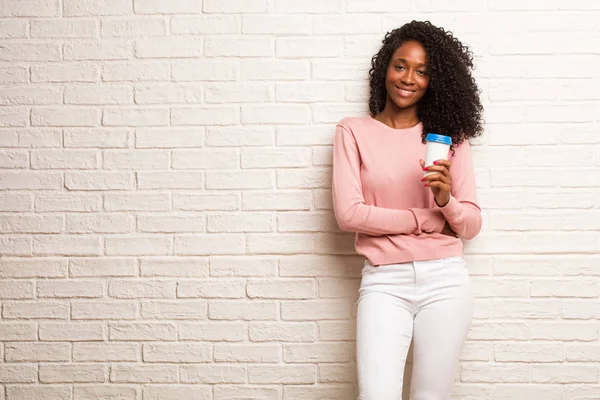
x: 408, y: 77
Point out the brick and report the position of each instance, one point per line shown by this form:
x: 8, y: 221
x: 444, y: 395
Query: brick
x: 209, y: 244
x: 15, y: 245
x: 333, y: 392
x: 226, y: 136
x: 282, y: 374
x: 213, y: 374
x: 133, y: 27
x: 40, y: 137
x: 204, y: 70
x: 180, y: 309
x: 98, y: 51
x: 64, y: 159
x: 232, y: 6
x: 175, y: 266
x: 36, y: 352
x: 16, y: 74
x: 564, y: 374
x: 281, y: 289
x: 136, y: 71
x: 99, y: 181
x: 31, y: 224
x: 232, y: 392
x: 275, y: 114
x: 174, y: 7
x: 30, y: 52
x: 13, y: 117
x: 275, y: 158
x: 33, y: 267
x: 80, y: 28
x: 98, y: 95
x: 135, y: 159
x: 16, y: 289
x: 141, y: 288
x: 38, y: 95
x: 504, y: 373
x: 317, y: 353
x: 294, y: 70
x: 64, y: 117
x: 91, y: 310
x: 566, y: 331
x: 172, y: 47
x: 282, y: 332
x: 169, y: 137
x: 209, y: 202
x: 138, y: 373
x: 276, y: 24
x: 71, y: 332
x: 217, y: 115
x: 171, y: 223
x: 204, y: 25
x: 257, y: 243
x: 54, y: 392
x: 27, y: 331
x: 170, y: 180
x: 306, y: 222
x: 243, y: 266
x: 96, y: 138
x: 72, y: 8
x: 95, y: 392
x: 138, y: 245
x: 212, y: 331
x: 313, y: 178
x: 205, y: 159
x: 76, y: 373
x: 106, y: 352
x: 529, y: 353
x: 242, y: 353
x: 67, y: 245
x: 335, y: 288
x: 292, y: 200
x: 309, y: 6
x: 314, y: 265
x: 215, y: 289
x: 135, y: 117
x: 137, y: 202
x: 142, y: 332
x: 177, y: 353
x: 239, y: 93
x: 242, y: 310
x: 318, y: 47
x: 309, y: 92
x: 183, y: 392
x: 16, y: 202
x: 245, y: 222
x: 239, y: 180
x: 70, y: 289
x: 35, y: 310
x: 171, y: 94
x: 334, y: 331
x: 311, y: 310
x: 67, y: 72
x: 101, y: 267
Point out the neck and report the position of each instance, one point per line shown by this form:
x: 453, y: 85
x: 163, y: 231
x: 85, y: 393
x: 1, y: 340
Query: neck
x: 398, y: 118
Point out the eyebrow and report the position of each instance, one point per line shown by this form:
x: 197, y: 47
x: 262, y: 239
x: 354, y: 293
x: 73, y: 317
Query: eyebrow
x: 406, y: 62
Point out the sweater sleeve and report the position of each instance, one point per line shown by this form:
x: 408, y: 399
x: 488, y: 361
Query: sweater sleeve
x: 462, y: 212
x: 351, y: 212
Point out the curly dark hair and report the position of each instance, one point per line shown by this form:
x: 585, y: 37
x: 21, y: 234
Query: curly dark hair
x: 451, y: 105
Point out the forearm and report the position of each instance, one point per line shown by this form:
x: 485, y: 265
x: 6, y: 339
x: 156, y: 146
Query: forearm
x: 463, y: 217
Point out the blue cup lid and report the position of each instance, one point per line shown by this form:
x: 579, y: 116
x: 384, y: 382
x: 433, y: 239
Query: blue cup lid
x: 434, y: 137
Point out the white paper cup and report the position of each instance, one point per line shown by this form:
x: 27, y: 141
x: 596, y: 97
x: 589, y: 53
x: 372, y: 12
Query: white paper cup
x: 437, y: 148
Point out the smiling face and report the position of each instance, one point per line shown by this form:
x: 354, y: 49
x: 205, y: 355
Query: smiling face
x: 407, y: 77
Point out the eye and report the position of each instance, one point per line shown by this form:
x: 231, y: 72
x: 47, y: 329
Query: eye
x: 422, y: 73
x: 399, y: 67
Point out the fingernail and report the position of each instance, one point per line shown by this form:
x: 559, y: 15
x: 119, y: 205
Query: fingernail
x: 425, y: 169
x: 422, y: 179
x: 425, y: 185
x: 435, y: 162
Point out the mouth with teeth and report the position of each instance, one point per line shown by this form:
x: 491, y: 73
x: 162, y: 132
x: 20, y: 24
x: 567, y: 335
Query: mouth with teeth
x: 405, y: 92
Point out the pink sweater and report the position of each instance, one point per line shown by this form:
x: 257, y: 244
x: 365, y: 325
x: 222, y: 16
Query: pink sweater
x: 378, y: 193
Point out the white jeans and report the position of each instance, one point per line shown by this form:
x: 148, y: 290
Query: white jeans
x: 428, y: 302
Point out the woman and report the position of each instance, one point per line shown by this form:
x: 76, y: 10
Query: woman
x: 415, y: 285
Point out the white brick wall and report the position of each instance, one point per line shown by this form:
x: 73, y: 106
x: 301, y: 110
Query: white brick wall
x: 165, y: 212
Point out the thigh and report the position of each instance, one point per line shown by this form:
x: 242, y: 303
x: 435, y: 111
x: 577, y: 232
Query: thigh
x: 440, y: 328
x: 384, y: 332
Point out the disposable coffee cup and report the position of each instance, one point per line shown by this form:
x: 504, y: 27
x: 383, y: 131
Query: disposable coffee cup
x: 437, y: 148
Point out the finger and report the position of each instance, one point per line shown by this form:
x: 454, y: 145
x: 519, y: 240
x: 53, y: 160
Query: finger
x: 439, y: 171
x: 422, y: 163
x: 438, y: 177
x: 445, y: 163
x: 438, y: 168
